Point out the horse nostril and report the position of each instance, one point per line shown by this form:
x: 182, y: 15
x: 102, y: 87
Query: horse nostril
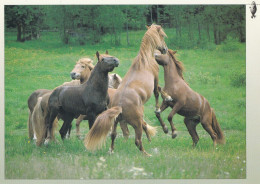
x: 72, y: 74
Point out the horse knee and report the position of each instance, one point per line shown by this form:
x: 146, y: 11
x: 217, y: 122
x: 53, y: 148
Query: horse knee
x: 113, y: 135
x: 170, y: 118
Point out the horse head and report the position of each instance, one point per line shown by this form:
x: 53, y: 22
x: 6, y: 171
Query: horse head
x: 107, y: 61
x: 157, y: 33
x: 82, y: 69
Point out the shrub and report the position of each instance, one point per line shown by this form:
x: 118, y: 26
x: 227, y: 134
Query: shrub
x: 238, y: 78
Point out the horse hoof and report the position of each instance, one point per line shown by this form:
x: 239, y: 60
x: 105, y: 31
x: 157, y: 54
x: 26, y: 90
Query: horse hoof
x: 168, y: 99
x: 147, y: 154
x: 174, y: 135
x: 157, y: 111
x: 46, y: 142
x: 165, y: 130
x: 110, y: 152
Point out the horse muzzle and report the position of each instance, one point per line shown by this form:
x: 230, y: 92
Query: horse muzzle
x: 74, y: 75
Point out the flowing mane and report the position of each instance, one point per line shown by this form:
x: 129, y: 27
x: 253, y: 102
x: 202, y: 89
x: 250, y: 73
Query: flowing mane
x: 86, y: 61
x: 179, y: 64
x: 150, y: 41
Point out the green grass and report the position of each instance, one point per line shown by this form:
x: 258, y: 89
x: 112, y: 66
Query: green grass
x: 46, y: 63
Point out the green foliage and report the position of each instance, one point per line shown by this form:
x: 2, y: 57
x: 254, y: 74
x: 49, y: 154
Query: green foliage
x: 238, y: 78
x: 46, y: 63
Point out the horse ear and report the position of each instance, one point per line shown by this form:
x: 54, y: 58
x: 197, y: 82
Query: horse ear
x: 158, y: 28
x: 97, y: 54
x: 115, y: 76
x: 147, y: 27
x: 106, y: 52
x: 174, y: 52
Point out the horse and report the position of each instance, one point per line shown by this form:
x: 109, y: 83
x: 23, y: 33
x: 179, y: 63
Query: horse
x: 38, y: 119
x: 90, y: 98
x: 81, y: 71
x: 127, y: 105
x: 79, y: 74
x: 185, y: 102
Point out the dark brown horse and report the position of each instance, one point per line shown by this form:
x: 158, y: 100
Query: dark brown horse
x: 90, y: 98
x: 186, y: 102
x: 81, y: 71
x: 135, y: 90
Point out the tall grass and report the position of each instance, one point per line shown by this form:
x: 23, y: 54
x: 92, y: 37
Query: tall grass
x: 46, y: 63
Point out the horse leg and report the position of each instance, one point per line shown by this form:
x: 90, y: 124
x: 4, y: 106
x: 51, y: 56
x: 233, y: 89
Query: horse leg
x: 113, y: 136
x: 68, y: 132
x: 66, y: 125
x: 164, y: 95
x: 30, y: 128
x: 158, y: 115
x: 51, y: 115
x: 206, y: 123
x: 124, y: 129
x: 175, y: 109
x: 191, y: 126
x: 156, y: 94
x: 144, y: 125
x: 79, y: 120
x: 138, y: 136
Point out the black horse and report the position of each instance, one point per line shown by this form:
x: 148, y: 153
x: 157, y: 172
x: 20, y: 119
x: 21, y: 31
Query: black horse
x: 90, y: 98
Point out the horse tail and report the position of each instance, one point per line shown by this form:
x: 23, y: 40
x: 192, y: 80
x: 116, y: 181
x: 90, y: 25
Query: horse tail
x: 96, y: 137
x: 30, y: 128
x: 217, y: 129
x: 151, y: 131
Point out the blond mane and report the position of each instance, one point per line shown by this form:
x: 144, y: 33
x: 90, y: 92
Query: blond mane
x: 86, y: 61
x: 152, y: 38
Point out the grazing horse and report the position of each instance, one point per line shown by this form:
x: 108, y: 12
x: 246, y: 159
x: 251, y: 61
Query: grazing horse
x: 90, y: 98
x: 135, y: 90
x: 186, y: 102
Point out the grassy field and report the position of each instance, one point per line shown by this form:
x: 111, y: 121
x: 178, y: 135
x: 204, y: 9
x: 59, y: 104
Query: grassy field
x: 217, y: 73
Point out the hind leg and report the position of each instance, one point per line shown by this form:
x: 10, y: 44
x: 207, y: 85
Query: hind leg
x: 206, y: 123
x: 52, y: 114
x: 79, y: 120
x: 30, y: 128
x: 124, y: 129
x: 138, y: 137
x: 66, y: 124
x: 158, y: 115
x: 191, y: 126
x: 113, y: 136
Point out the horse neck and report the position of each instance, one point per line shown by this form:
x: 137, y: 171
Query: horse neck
x: 171, y: 75
x: 98, y: 80
x: 85, y: 77
x: 147, y: 49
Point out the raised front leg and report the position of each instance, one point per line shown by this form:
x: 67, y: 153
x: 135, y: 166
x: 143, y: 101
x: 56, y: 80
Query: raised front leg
x: 164, y: 95
x: 175, y: 109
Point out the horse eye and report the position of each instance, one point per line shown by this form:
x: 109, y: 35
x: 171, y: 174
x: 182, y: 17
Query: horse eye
x: 82, y: 66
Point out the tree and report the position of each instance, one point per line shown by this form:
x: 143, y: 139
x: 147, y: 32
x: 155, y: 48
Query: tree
x: 27, y: 20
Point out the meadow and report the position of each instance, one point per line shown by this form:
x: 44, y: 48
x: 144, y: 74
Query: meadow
x: 216, y: 72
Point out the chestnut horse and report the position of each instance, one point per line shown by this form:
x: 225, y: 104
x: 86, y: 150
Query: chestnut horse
x: 186, y: 102
x: 90, y: 98
x: 135, y: 90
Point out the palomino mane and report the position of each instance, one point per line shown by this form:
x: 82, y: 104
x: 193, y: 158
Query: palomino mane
x: 152, y: 38
x: 179, y: 64
x: 86, y: 61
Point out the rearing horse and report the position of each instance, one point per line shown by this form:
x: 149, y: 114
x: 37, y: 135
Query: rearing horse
x: 136, y: 88
x: 186, y: 102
